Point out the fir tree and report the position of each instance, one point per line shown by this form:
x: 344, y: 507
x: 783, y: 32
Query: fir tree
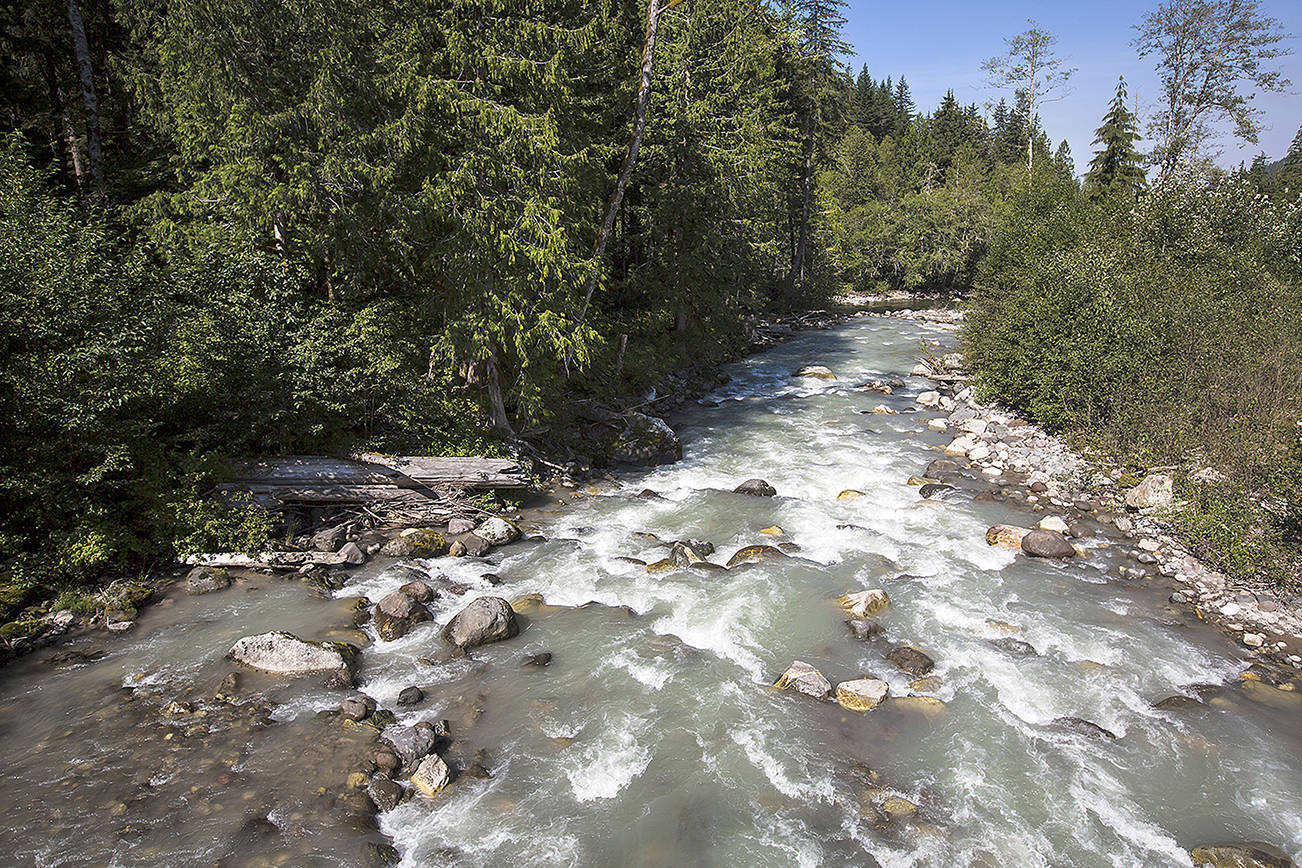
x: 1115, y: 168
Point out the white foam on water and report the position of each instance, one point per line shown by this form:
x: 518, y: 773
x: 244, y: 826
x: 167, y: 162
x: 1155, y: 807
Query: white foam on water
x: 609, y: 763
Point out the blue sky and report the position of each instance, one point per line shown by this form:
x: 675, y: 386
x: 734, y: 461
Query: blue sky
x: 940, y: 44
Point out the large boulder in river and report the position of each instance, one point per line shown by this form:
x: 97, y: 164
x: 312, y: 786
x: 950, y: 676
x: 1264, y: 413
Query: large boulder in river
x: 412, y: 743
x: 1047, y: 544
x: 431, y: 776
x: 756, y: 488
x: 206, y: 580
x: 647, y: 440
x: 498, y: 531
x: 487, y: 619
x: 285, y: 654
x: 913, y: 661
x: 861, y: 694
x: 1006, y: 536
x: 398, y: 612
x: 1156, y: 491
x: 415, y: 543
x: 818, y: 372
x: 1248, y: 854
x: 804, y: 678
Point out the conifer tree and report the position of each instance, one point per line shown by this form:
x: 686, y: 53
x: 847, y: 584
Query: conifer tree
x: 1115, y: 169
x: 819, y: 24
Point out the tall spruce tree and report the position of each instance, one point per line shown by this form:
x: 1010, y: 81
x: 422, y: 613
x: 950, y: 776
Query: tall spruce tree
x: 818, y: 25
x: 1115, y: 169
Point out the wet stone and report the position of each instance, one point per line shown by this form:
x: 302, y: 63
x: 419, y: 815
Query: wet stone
x: 386, y: 794
x: 863, y: 629
x: 538, y: 660
x: 411, y: 696
x: 1016, y: 647
x: 913, y: 661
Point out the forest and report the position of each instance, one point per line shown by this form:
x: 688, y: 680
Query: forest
x: 232, y: 228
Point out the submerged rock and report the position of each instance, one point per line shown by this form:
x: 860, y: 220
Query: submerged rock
x: 861, y: 694
x: 755, y: 554
x: 285, y: 654
x: 911, y: 660
x: 1047, y: 544
x: 927, y: 706
x: 863, y: 629
x: 804, y: 678
x: 861, y: 604
x: 487, y: 619
x: 1083, y: 727
x: 206, y: 580
x: 1248, y: 854
x: 756, y: 488
x: 1016, y: 647
x: 431, y: 776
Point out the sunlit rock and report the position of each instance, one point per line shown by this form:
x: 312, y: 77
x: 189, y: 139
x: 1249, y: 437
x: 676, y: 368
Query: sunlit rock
x: 803, y: 678
x: 861, y: 604
x: 861, y: 694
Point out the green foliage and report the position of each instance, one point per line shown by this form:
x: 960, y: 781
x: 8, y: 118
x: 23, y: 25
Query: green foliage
x: 1170, y: 327
x: 1115, y: 169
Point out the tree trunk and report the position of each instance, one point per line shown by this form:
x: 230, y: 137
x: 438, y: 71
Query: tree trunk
x: 87, y: 73
x: 498, y: 422
x: 797, y: 275
x: 654, y: 10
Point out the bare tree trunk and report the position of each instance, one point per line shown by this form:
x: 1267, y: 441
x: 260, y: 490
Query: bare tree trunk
x: 654, y: 10
x: 498, y: 421
x: 87, y: 72
x: 797, y: 275
x: 619, y: 357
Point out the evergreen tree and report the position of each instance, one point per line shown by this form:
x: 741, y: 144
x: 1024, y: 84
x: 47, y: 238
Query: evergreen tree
x: 904, y: 107
x: 1115, y: 169
x: 819, y: 24
x: 865, y: 94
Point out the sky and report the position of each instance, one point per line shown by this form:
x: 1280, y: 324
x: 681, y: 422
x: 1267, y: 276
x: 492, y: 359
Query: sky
x: 940, y: 44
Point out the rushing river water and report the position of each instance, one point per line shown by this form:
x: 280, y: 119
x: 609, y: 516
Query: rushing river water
x: 653, y: 738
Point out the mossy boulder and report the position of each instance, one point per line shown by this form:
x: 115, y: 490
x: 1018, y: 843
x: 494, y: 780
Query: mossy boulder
x: 416, y: 544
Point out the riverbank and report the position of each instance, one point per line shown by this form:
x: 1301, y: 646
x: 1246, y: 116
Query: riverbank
x: 1052, y: 477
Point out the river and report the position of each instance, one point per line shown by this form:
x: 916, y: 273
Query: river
x: 653, y: 737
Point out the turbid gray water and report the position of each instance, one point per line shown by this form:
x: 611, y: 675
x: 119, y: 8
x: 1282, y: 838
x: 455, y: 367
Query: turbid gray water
x: 654, y: 739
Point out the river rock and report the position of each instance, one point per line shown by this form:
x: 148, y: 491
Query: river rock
x: 756, y: 488
x: 861, y: 694
x: 470, y: 546
x: 816, y: 371
x: 1006, y: 536
x: 357, y: 707
x: 938, y: 468
x: 755, y: 554
x: 927, y: 706
x: 487, y: 619
x: 396, y: 614
x: 285, y: 654
x: 461, y: 525
x: 416, y: 544
x: 911, y: 660
x: 1156, y: 491
x: 934, y: 489
x: 418, y: 591
x: 1083, y: 727
x: 431, y: 776
x: 961, y: 445
x: 861, y: 604
x: 412, y: 743
x: 411, y: 696
x: 352, y: 554
x: 498, y: 531
x: 1047, y: 544
x: 687, y: 552
x: 206, y: 580
x: 386, y: 794
x: 898, y: 808
x: 1248, y: 854
x: 539, y: 660
x: 1053, y: 523
x: 647, y: 441
x: 803, y: 678
x: 1016, y: 647
x: 864, y: 629
x: 850, y: 494
x: 929, y: 399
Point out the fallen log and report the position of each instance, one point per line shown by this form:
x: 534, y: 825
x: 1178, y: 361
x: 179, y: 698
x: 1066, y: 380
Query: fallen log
x: 269, y: 560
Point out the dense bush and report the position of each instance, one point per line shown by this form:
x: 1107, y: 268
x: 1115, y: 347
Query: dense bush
x: 1168, y: 328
